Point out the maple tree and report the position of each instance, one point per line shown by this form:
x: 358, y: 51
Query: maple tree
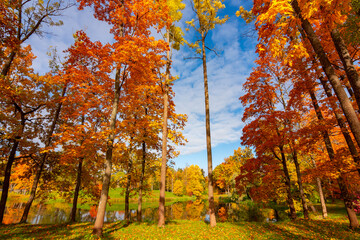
x: 25, y: 95
x: 28, y: 17
x: 292, y: 34
x: 131, y: 21
x: 226, y: 172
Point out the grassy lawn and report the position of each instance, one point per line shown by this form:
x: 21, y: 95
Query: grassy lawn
x: 185, y: 229
x: 335, y: 227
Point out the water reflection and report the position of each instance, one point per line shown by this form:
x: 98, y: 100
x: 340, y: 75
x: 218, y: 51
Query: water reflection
x: 59, y: 213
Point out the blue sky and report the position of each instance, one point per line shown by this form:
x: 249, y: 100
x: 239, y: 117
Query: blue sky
x: 226, y: 72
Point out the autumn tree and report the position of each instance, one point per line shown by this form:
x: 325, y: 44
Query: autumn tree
x: 205, y: 20
x: 178, y: 188
x: 25, y: 95
x: 23, y: 19
x: 226, y: 172
x: 174, y: 40
x: 131, y: 22
x: 195, y: 180
x: 291, y: 32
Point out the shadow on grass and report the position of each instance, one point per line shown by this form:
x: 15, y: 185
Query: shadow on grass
x: 27, y: 230
x: 304, y: 229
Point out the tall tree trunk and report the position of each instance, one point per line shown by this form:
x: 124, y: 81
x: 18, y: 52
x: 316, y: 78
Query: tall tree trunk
x: 99, y: 222
x: 6, y: 183
x: 43, y: 159
x: 290, y: 200
x: 348, y: 64
x: 344, y: 100
x: 76, y: 192
x: 161, y: 222
x: 143, y: 162
x: 11, y: 159
x: 344, y: 191
x: 208, y: 138
x: 321, y: 193
x: 348, y: 201
x: 127, y: 192
x: 350, y: 143
x: 301, y: 189
x: 322, y: 199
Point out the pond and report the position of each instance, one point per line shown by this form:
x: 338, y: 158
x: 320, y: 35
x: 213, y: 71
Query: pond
x: 189, y: 210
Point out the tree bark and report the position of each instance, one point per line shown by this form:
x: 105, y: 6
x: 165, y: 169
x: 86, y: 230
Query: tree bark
x: 11, y: 159
x: 161, y: 222
x: 99, y: 222
x: 6, y: 68
x: 208, y: 138
x: 321, y: 194
x: 301, y: 189
x: 348, y: 201
x: 143, y: 162
x: 345, y: 102
x: 127, y: 192
x: 290, y: 200
x: 6, y: 183
x: 348, y: 64
x: 43, y: 159
x: 322, y: 199
x: 76, y: 192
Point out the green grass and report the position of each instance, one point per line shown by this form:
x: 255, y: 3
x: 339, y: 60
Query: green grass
x: 335, y: 227
x: 185, y: 229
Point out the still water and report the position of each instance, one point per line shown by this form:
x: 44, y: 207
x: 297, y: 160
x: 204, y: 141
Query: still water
x: 59, y: 213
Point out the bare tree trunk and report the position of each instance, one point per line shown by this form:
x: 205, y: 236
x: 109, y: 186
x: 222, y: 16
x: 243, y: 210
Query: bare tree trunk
x: 348, y: 64
x: 208, y: 138
x: 139, y: 211
x: 161, y: 222
x: 99, y: 222
x: 301, y: 189
x: 76, y: 192
x: 43, y: 160
x: 345, y: 102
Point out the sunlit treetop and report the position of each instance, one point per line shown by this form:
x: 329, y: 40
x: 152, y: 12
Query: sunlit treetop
x: 206, y: 20
x: 176, y: 33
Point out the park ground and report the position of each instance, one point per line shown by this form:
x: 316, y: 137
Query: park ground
x: 335, y: 227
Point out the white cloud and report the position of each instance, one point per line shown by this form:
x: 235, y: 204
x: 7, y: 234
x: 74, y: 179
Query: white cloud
x: 226, y: 74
